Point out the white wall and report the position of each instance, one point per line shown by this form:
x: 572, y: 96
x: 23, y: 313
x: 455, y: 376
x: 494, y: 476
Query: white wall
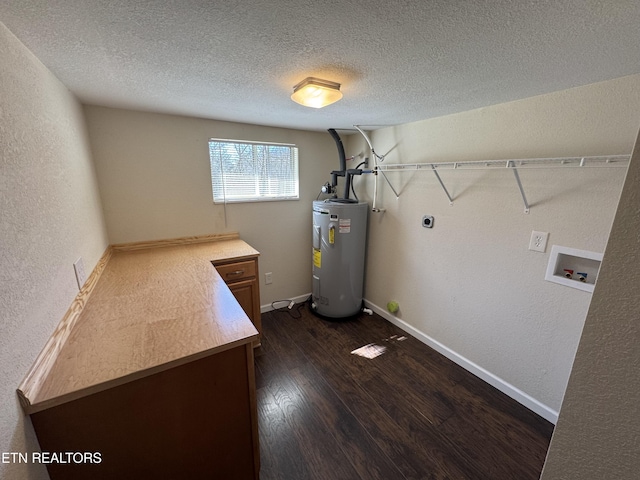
x: 597, y: 432
x: 50, y: 215
x: 155, y: 182
x: 471, y: 283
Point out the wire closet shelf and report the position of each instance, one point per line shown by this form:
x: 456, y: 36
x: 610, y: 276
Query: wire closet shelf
x: 608, y: 161
x: 602, y: 161
x: 605, y: 161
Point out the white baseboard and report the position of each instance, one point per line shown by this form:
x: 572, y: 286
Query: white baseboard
x: 518, y: 395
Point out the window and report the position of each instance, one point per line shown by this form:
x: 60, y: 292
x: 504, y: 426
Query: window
x: 253, y: 172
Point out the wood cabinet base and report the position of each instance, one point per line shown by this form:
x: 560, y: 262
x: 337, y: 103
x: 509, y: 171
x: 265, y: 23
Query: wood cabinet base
x: 195, y: 421
x: 242, y: 279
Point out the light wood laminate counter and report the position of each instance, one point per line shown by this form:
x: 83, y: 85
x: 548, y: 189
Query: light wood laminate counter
x: 156, y: 315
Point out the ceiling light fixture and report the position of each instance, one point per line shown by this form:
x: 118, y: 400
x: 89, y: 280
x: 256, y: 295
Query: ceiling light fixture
x: 316, y: 93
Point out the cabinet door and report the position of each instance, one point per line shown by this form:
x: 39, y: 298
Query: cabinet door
x: 246, y: 292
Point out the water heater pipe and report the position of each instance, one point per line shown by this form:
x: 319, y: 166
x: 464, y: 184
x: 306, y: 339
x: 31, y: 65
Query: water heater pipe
x: 343, y: 164
x: 336, y: 138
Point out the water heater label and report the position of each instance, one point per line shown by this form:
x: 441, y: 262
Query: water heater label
x: 344, y: 225
x: 317, y: 258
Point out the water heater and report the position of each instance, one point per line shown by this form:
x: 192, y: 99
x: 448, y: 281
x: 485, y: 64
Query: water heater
x: 339, y: 242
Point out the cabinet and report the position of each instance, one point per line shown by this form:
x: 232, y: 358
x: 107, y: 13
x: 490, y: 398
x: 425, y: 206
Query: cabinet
x: 194, y: 421
x: 160, y: 381
x: 241, y: 276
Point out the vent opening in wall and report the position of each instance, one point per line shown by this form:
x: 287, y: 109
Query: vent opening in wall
x: 573, y: 268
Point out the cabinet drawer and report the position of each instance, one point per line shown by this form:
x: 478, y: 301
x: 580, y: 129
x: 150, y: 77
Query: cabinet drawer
x: 233, y: 272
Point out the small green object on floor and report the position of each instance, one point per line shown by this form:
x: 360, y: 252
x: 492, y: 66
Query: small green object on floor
x: 393, y: 307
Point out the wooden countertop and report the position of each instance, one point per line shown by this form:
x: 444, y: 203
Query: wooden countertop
x: 152, y: 308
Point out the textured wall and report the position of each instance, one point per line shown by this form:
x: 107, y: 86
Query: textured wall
x: 471, y: 283
x: 50, y: 215
x: 598, y: 432
x: 155, y: 182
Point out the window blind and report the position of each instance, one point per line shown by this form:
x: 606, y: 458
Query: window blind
x: 251, y: 171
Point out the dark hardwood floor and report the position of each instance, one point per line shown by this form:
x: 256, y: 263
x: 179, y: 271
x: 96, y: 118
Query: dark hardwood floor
x: 409, y: 413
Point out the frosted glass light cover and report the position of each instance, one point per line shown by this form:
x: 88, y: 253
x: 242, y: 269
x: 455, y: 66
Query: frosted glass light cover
x: 316, y: 93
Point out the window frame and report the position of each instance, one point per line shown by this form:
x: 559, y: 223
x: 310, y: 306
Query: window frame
x: 259, y: 196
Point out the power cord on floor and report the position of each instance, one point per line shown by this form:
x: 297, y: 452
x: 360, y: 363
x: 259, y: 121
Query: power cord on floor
x: 291, y: 308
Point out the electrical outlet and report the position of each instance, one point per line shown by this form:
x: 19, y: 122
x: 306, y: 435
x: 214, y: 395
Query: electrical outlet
x: 81, y: 276
x: 538, y: 242
x: 267, y: 278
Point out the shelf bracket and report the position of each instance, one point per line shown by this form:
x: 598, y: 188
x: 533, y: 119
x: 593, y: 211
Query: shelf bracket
x: 442, y: 185
x: 510, y: 164
x: 388, y: 182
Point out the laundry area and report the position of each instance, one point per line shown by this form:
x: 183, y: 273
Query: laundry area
x: 382, y: 240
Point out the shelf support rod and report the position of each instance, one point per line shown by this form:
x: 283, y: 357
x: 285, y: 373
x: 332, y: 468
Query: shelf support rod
x: 376, y: 157
x: 517, y: 175
x: 442, y: 185
x: 389, y: 183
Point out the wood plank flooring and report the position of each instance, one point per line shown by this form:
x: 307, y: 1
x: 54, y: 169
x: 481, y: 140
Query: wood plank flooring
x: 409, y: 413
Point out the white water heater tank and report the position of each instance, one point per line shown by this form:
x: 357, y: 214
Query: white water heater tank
x: 339, y: 245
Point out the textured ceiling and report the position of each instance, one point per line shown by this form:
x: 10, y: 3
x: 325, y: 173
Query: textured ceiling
x: 397, y: 61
